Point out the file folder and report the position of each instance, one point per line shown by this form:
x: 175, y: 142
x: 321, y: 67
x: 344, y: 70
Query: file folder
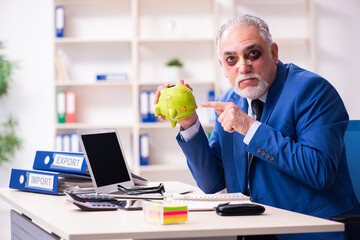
x: 70, y: 112
x: 60, y: 106
x: 59, y: 21
x: 66, y: 162
x: 144, y: 149
x: 42, y: 182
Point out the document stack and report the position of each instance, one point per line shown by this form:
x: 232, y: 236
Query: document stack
x: 52, y: 173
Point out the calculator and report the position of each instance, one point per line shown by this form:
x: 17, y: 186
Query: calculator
x: 95, y: 206
x: 81, y: 197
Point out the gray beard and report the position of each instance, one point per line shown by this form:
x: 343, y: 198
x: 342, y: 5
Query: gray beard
x: 253, y: 92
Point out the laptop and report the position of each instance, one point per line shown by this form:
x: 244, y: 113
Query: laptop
x: 107, y: 163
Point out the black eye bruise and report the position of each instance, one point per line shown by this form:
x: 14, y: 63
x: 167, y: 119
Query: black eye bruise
x: 231, y: 62
x: 254, y: 54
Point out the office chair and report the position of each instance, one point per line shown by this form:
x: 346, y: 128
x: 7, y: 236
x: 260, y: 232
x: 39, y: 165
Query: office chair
x: 352, y: 146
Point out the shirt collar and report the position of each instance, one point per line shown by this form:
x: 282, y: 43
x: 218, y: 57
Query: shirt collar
x: 262, y: 98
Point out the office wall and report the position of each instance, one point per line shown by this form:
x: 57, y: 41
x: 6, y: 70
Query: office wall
x: 338, y: 48
x: 26, y: 26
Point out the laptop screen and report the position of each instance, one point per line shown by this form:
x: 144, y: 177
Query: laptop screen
x: 105, y: 158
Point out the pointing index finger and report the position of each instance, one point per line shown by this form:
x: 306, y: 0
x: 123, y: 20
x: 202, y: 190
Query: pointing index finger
x: 216, y: 105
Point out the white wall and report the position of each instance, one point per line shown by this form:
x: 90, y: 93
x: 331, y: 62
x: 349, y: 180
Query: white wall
x: 27, y: 28
x: 338, y: 48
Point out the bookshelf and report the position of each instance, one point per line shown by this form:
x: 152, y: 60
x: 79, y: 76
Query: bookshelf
x: 136, y: 37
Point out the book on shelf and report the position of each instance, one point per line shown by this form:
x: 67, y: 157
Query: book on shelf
x: 61, y: 68
x: 48, y: 182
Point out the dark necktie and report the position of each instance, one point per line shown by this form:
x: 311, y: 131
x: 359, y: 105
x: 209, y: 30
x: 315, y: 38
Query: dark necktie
x: 257, y: 107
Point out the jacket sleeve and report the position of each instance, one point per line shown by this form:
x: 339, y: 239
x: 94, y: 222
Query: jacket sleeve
x: 203, y: 162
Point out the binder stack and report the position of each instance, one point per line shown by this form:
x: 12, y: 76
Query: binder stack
x: 52, y: 173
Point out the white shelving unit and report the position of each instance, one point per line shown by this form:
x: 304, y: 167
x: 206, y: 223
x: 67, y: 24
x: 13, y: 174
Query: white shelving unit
x: 291, y: 24
x: 136, y: 37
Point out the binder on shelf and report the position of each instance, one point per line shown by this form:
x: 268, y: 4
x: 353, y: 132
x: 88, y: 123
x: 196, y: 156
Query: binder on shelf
x: 147, y: 113
x: 45, y: 182
x: 65, y: 162
x: 58, y: 143
x: 67, y: 142
x: 152, y: 117
x: 60, y: 106
x: 144, y: 149
x: 211, y: 111
x: 70, y: 116
x: 59, y: 21
x: 74, y: 142
x: 144, y: 106
x: 112, y: 77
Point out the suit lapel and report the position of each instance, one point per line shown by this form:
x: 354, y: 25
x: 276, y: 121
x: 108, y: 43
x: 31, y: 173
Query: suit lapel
x: 274, y: 92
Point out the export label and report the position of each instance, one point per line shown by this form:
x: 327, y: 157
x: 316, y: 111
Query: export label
x: 66, y: 161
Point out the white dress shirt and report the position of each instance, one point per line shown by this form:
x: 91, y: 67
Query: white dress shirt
x: 189, y: 133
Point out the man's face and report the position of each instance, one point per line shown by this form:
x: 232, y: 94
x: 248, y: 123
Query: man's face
x: 248, y: 61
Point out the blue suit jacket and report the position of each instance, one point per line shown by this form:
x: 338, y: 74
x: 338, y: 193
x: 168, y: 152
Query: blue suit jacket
x: 299, y: 160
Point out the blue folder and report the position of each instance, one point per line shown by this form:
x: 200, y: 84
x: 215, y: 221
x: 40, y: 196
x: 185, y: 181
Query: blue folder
x: 66, y: 162
x: 35, y: 181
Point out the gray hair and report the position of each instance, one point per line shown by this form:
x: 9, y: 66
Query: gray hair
x: 245, y: 20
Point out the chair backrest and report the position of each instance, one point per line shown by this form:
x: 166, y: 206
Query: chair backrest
x: 352, y: 145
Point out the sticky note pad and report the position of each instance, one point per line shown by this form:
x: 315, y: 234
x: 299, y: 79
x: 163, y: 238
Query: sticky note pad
x: 165, y: 213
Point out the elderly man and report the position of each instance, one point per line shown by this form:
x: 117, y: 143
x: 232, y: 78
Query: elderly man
x: 279, y: 134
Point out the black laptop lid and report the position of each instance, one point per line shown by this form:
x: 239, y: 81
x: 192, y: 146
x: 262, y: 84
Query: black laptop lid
x: 106, y: 159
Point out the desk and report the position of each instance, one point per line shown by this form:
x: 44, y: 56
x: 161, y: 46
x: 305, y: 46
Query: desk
x: 56, y: 215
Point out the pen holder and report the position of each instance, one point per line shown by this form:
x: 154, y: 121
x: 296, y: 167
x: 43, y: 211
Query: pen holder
x: 165, y: 213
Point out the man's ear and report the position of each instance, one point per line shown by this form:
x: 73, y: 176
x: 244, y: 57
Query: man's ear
x: 222, y: 67
x: 275, y: 52
x: 220, y: 62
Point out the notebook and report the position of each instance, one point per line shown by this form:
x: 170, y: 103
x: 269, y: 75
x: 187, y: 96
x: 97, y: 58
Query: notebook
x: 107, y: 163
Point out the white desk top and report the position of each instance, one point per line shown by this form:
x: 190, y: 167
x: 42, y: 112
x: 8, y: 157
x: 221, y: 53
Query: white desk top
x: 55, y: 214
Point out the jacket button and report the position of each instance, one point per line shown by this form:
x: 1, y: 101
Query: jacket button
x: 258, y: 150
x: 262, y: 153
x: 267, y: 155
x: 271, y: 158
